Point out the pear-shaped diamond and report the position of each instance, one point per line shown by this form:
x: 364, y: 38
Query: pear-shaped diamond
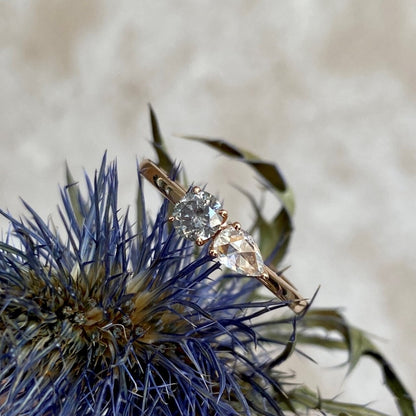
x: 196, y: 215
x: 237, y: 250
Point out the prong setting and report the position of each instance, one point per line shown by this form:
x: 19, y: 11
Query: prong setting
x: 199, y: 242
x: 171, y: 218
x: 196, y: 190
x: 224, y: 214
x: 213, y: 253
x: 237, y: 226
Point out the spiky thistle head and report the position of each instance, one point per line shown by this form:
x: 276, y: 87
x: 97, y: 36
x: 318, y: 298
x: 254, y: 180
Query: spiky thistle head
x: 103, y: 318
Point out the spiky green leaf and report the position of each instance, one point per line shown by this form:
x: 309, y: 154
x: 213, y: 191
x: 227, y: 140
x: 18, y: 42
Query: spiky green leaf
x: 165, y: 161
x: 305, y: 399
x: 358, y: 345
x: 268, y: 171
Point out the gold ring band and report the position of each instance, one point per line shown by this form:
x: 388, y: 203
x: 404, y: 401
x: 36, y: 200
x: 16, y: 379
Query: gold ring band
x: 175, y: 193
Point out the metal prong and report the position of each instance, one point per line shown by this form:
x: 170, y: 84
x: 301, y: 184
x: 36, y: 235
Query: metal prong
x: 237, y: 226
x: 171, y: 218
x: 199, y: 242
x: 213, y: 253
x: 196, y: 189
x: 224, y: 214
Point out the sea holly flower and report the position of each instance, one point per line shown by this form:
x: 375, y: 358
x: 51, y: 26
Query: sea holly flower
x: 100, y: 318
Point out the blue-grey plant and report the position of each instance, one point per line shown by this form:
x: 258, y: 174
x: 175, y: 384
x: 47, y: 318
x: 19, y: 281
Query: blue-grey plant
x: 106, y: 318
x: 102, y: 317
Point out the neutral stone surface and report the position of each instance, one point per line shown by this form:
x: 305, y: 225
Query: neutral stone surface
x: 326, y: 89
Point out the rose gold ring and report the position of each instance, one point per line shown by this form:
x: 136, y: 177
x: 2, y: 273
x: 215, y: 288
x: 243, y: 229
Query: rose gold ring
x: 199, y: 216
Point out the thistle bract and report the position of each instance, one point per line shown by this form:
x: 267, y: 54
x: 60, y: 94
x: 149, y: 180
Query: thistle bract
x: 102, y: 317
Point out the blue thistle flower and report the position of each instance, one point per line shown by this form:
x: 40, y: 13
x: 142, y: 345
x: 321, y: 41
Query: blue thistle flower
x: 100, y: 318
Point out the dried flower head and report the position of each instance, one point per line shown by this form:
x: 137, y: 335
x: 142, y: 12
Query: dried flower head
x: 106, y: 318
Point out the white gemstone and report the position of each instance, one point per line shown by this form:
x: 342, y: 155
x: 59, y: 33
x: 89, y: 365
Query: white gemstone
x: 196, y: 216
x: 237, y: 250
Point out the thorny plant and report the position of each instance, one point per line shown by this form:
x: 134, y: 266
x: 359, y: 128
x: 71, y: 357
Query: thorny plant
x: 105, y: 317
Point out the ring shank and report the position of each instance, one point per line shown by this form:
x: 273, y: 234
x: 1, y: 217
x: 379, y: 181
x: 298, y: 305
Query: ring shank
x: 276, y: 283
x: 160, y: 179
x: 283, y: 289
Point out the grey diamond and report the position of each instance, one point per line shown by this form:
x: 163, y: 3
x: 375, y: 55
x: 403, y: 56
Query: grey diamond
x: 196, y: 215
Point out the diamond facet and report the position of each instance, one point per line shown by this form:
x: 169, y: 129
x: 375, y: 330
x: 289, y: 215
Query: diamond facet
x: 196, y: 216
x: 237, y: 250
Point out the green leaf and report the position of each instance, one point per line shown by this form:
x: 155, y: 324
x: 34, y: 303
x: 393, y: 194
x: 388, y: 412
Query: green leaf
x: 321, y: 341
x: 358, y: 345
x: 354, y: 340
x: 268, y: 171
x: 304, y: 398
x: 164, y: 160
x: 280, y: 231
x: 403, y: 399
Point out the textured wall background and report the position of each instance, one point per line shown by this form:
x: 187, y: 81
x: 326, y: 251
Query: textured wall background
x: 326, y: 89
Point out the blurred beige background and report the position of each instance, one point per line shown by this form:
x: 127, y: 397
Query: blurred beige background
x: 325, y: 89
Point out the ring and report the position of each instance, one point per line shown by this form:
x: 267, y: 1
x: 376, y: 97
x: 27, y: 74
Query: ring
x: 198, y: 216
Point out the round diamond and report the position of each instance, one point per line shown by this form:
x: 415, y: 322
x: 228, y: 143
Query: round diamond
x: 196, y: 216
